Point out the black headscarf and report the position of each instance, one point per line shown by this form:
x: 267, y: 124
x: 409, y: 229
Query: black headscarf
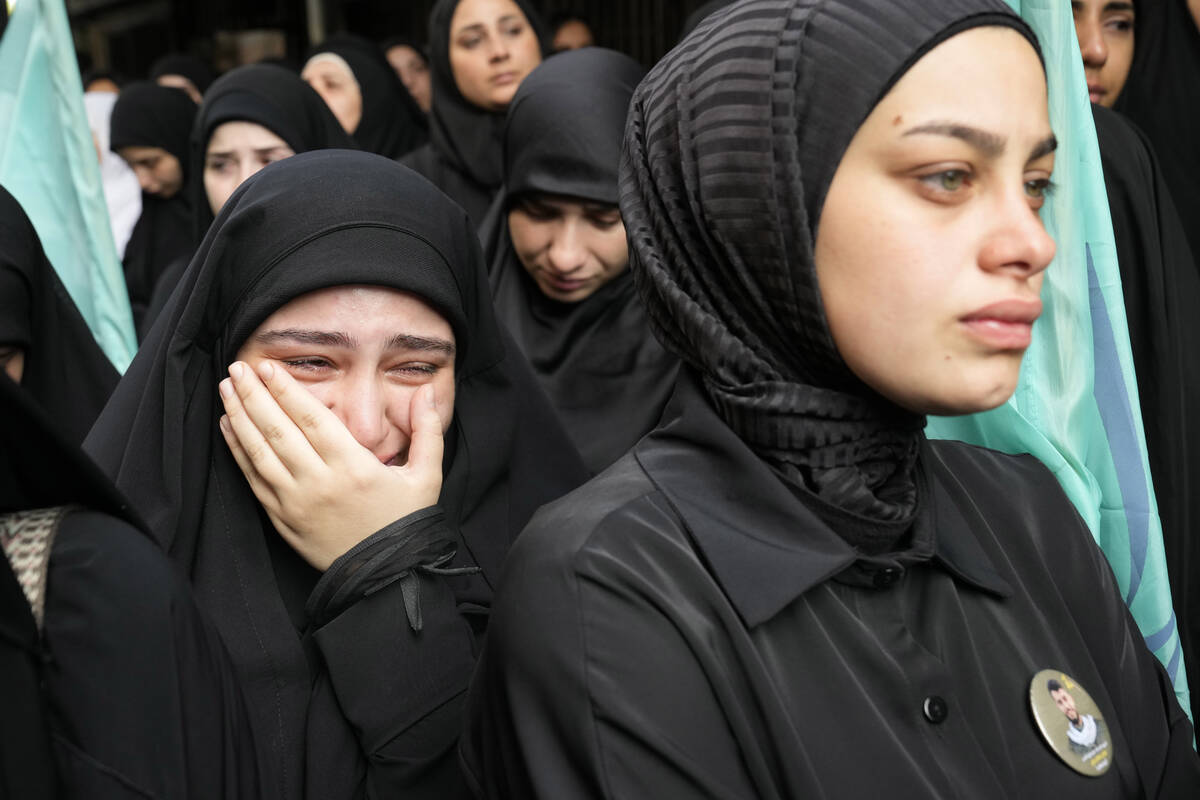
x: 392, y: 123
x: 1162, y: 95
x: 270, y: 96
x: 740, y: 303
x: 149, y: 115
x: 607, y: 377
x: 464, y: 137
x: 316, y: 220
x: 190, y: 67
x: 66, y: 372
x: 1161, y: 289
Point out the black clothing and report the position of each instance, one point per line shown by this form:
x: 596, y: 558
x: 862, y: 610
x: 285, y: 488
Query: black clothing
x: 190, y: 67
x: 740, y: 301
x: 66, y: 372
x: 392, y: 123
x: 148, y: 115
x: 1162, y: 96
x: 463, y: 157
x: 367, y: 700
x: 137, y: 693
x: 784, y: 664
x: 606, y: 375
x: 1161, y: 288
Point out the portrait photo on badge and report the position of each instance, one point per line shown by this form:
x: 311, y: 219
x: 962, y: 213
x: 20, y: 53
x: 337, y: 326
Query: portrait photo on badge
x: 1070, y: 722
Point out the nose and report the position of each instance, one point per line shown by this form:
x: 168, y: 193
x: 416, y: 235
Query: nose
x: 359, y: 403
x: 1092, y: 46
x: 566, y: 252
x: 499, y: 48
x: 145, y: 180
x: 1017, y: 242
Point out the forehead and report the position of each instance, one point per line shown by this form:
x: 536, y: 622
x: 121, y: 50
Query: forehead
x: 365, y: 313
x: 475, y: 12
x: 142, y: 153
x: 327, y: 65
x: 243, y: 133
x: 987, y: 76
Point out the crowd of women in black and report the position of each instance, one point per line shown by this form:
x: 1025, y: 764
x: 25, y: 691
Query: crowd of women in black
x: 504, y: 424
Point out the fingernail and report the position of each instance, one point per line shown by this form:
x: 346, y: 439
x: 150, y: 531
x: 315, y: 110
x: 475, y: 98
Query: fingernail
x: 223, y: 422
x: 266, y: 370
x: 226, y: 388
x: 235, y: 369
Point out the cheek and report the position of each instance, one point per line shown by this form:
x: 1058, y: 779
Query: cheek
x: 528, y: 50
x: 470, y: 73
x: 529, y: 239
x: 612, y: 249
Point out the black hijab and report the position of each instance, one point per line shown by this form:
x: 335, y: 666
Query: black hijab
x: 66, y: 372
x: 316, y: 220
x: 270, y: 96
x: 1161, y: 289
x: 740, y: 304
x: 606, y: 376
x: 392, y: 123
x: 190, y: 67
x: 149, y: 115
x: 1162, y: 95
x: 465, y: 138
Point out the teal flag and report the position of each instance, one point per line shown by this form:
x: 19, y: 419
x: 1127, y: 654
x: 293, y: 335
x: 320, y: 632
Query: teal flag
x: 1076, y: 407
x: 48, y: 162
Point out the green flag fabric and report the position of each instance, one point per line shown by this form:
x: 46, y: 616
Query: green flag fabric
x: 1076, y: 406
x: 48, y: 162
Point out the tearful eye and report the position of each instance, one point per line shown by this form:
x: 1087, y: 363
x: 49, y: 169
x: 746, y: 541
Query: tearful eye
x: 307, y: 364
x: 950, y: 180
x: 1039, y: 188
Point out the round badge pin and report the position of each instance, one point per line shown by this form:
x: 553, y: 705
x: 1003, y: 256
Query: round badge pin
x: 1070, y: 722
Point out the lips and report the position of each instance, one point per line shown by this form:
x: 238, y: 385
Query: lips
x: 1007, y: 325
x: 504, y: 78
x: 1096, y: 92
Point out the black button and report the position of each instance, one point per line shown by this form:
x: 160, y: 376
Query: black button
x: 935, y: 709
x: 886, y: 577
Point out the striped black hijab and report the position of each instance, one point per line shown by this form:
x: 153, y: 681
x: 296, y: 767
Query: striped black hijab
x: 731, y: 144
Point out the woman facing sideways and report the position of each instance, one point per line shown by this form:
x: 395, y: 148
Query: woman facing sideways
x: 786, y: 590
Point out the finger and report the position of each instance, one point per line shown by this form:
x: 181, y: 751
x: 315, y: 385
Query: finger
x: 262, y: 490
x: 288, y: 443
x: 254, y: 445
x: 327, y: 436
x: 427, y: 443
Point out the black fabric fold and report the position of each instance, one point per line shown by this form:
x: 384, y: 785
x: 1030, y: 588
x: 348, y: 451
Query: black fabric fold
x: 741, y: 303
x: 66, y: 372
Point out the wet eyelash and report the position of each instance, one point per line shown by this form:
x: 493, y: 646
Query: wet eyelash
x: 307, y: 363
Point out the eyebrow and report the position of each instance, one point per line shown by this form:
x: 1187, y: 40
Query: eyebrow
x: 990, y: 144
x: 401, y: 341
x: 257, y: 150
x: 483, y: 25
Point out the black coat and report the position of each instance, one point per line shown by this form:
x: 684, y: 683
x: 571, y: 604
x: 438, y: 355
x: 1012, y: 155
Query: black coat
x: 688, y: 625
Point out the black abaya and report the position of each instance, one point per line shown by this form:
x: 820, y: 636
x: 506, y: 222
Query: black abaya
x: 605, y: 374
x: 463, y: 156
x: 1161, y: 289
x: 138, y: 695
x: 346, y: 698
x: 66, y: 372
x: 1162, y: 97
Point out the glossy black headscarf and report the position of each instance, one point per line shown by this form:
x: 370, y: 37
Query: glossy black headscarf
x: 1162, y: 96
x: 392, y: 123
x: 320, y: 219
x: 149, y: 115
x: 747, y: 120
x: 270, y: 96
x: 606, y: 376
x: 66, y: 372
x: 463, y: 134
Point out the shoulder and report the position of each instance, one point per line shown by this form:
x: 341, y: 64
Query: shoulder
x: 953, y: 458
